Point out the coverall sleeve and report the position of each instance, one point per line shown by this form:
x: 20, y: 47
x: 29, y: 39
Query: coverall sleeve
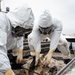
x: 3, y: 37
x: 4, y: 60
x: 55, y: 37
x: 34, y: 41
x: 19, y: 42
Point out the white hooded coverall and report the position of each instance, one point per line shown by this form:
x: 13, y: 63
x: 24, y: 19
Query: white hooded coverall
x: 35, y: 38
x: 56, y: 37
x: 21, y: 16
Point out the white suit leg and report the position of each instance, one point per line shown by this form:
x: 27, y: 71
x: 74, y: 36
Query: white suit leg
x: 63, y: 49
x: 63, y: 46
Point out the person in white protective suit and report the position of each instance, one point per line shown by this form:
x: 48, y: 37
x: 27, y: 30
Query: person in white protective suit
x: 46, y: 27
x: 12, y: 29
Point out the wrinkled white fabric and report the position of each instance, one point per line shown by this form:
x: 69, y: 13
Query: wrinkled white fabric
x: 1, y: 73
x: 45, y: 19
x: 63, y: 45
x: 21, y: 16
x: 35, y: 38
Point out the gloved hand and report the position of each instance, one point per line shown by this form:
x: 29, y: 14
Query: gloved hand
x: 37, y: 58
x: 48, y: 57
x: 9, y: 72
x: 19, y: 56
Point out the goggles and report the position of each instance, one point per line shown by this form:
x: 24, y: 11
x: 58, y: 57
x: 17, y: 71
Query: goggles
x: 46, y: 30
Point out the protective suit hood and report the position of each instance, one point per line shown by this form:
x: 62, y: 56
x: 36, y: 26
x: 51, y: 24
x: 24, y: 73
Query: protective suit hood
x: 45, y: 19
x: 21, y: 16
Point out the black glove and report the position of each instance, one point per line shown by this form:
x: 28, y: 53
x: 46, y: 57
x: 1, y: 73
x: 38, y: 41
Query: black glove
x: 32, y: 65
x: 13, y: 63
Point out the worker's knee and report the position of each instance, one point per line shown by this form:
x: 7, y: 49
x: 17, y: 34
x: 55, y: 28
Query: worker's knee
x: 9, y: 72
x: 68, y: 54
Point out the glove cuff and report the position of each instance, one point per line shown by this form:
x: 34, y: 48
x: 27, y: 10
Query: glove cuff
x: 19, y: 50
x: 37, y: 54
x: 50, y: 52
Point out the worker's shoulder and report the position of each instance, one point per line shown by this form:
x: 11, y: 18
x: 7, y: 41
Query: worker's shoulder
x: 57, y: 22
x: 35, y: 31
x: 36, y: 26
x: 2, y: 16
x: 3, y: 21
